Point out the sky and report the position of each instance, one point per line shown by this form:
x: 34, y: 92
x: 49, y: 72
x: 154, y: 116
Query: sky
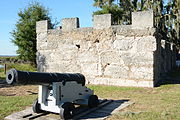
x: 58, y: 9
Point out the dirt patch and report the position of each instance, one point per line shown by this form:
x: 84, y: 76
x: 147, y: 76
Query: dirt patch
x: 18, y: 90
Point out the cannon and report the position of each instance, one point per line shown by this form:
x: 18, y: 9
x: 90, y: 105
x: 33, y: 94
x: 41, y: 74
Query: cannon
x: 58, y: 92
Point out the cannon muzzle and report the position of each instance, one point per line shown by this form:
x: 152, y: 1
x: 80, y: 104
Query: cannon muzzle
x: 14, y: 76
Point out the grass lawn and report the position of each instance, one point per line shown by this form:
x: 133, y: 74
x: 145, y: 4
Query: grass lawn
x: 23, y: 67
x: 10, y: 104
x: 161, y: 103
x: 2, y: 76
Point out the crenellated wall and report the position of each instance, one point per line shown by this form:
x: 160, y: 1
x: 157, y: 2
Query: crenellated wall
x: 121, y: 55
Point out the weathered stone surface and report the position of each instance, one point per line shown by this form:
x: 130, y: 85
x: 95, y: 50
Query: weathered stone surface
x: 41, y: 26
x: 102, y: 21
x: 147, y: 43
x: 125, y: 44
x: 130, y: 31
x: 141, y: 59
x: 143, y: 19
x: 121, y: 55
x: 140, y: 73
x: 88, y: 57
x: 69, y: 24
x: 40, y: 59
x: 110, y: 57
x: 121, y: 82
x: 116, y: 71
x: 90, y: 68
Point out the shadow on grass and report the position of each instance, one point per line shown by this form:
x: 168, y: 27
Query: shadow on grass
x: 106, y: 110
x: 2, y: 78
x: 102, y: 111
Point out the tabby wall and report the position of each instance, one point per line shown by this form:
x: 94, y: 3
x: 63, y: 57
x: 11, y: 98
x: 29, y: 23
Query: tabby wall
x: 121, y: 55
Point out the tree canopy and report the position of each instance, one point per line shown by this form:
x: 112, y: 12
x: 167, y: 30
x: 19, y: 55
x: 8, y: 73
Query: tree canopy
x: 167, y: 16
x: 24, y: 34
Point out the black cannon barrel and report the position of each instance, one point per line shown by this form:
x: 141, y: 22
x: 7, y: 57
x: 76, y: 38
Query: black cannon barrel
x: 38, y: 78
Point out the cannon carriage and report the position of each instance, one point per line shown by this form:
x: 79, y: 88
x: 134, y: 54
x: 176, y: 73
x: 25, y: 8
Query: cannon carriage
x: 58, y: 92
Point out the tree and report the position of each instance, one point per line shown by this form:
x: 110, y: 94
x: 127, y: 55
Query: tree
x: 101, y: 3
x: 167, y: 18
x: 121, y: 11
x: 114, y: 10
x: 107, y: 6
x: 24, y: 34
x: 172, y: 21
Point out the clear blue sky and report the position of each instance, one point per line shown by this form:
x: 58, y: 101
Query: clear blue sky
x: 58, y: 9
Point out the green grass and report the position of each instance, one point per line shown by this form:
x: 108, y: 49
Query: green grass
x: 10, y: 104
x: 23, y: 67
x: 2, y: 74
x: 162, y: 103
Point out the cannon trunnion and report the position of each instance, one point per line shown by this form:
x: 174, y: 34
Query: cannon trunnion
x: 58, y: 92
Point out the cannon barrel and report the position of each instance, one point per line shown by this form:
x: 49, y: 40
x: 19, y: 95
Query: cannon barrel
x: 14, y: 76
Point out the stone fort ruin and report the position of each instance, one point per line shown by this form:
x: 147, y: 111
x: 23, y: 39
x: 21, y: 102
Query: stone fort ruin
x: 121, y: 55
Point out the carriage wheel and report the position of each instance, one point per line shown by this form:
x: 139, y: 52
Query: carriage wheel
x: 36, y: 107
x: 66, y: 111
x: 93, y: 101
